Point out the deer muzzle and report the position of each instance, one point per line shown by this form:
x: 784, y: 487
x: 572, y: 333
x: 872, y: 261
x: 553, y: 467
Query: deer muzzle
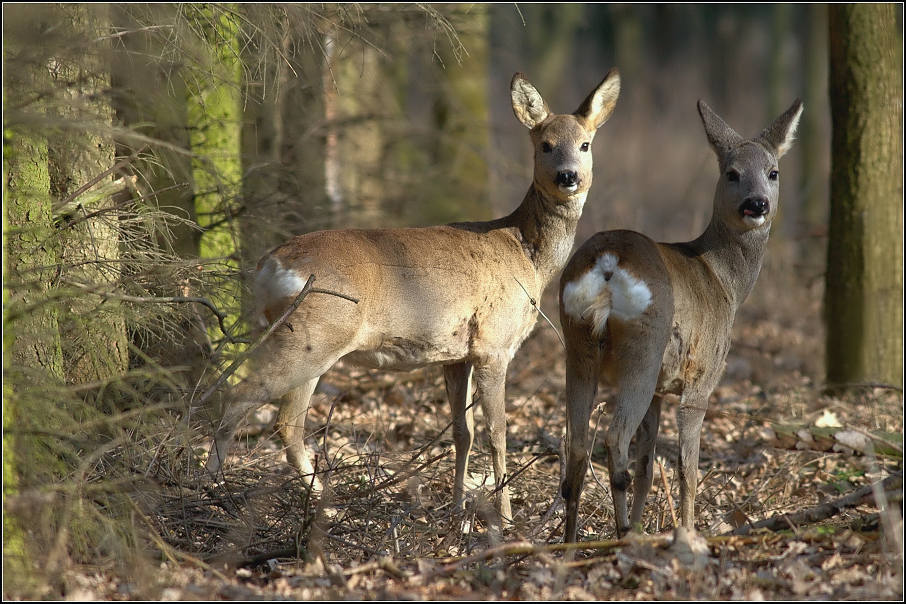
x: 567, y: 180
x: 755, y: 207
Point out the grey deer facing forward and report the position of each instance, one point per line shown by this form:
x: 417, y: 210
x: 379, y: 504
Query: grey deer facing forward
x: 656, y: 318
x: 449, y: 295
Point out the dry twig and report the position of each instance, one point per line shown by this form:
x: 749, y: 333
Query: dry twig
x: 825, y: 510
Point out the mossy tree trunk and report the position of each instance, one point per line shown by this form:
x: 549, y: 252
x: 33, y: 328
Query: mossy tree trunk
x: 32, y: 254
x: 31, y: 336
x: 864, y: 293
x: 213, y: 113
x: 94, y: 333
x: 32, y: 356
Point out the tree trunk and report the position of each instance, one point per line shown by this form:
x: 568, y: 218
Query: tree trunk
x: 31, y: 335
x: 813, y: 128
x: 213, y: 112
x: 283, y: 134
x: 150, y: 97
x: 32, y: 253
x: 94, y: 332
x: 864, y: 295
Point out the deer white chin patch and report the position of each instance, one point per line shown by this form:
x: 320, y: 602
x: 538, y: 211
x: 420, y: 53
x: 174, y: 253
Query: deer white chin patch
x: 606, y: 290
x: 754, y: 221
x: 568, y: 188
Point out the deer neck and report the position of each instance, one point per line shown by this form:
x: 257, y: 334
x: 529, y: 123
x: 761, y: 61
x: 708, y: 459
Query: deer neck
x: 734, y: 257
x: 547, y: 231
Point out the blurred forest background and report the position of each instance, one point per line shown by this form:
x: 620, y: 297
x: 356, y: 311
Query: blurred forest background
x: 153, y: 152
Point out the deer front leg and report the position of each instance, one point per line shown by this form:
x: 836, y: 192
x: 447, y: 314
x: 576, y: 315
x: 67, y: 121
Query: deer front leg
x: 458, y: 378
x: 689, y: 419
x: 490, y: 380
x: 645, y: 437
x: 291, y: 424
x: 581, y: 387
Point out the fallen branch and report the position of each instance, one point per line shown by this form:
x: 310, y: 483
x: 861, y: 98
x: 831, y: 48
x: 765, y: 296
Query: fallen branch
x: 524, y: 548
x: 292, y: 551
x: 863, y: 495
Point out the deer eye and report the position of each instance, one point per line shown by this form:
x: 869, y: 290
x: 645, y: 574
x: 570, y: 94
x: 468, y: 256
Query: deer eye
x: 546, y: 147
x: 732, y: 175
x: 584, y: 147
x: 773, y: 174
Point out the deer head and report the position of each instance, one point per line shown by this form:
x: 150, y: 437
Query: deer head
x: 749, y: 186
x: 562, y: 143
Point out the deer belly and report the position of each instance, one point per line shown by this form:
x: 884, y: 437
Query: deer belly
x: 405, y: 354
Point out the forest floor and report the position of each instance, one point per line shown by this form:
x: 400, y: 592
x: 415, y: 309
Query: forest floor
x: 384, y: 528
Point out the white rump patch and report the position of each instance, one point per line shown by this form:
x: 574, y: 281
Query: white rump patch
x: 273, y: 282
x: 606, y: 290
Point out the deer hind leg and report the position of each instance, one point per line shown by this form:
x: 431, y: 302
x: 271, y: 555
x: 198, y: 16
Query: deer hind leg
x: 689, y: 419
x: 282, y: 364
x: 458, y: 379
x: 291, y: 424
x: 645, y: 436
x: 581, y: 387
x: 490, y: 379
x: 640, y: 362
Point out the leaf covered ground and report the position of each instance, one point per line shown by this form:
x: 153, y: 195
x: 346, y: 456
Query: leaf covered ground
x: 385, y: 529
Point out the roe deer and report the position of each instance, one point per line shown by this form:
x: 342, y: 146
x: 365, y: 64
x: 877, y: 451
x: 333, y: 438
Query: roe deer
x: 656, y: 318
x: 449, y: 295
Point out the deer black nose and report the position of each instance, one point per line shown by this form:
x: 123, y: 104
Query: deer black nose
x: 567, y: 178
x: 754, y: 206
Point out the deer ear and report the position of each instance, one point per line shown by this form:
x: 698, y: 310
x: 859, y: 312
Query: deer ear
x: 720, y: 135
x: 600, y: 103
x: 529, y: 107
x: 782, y: 132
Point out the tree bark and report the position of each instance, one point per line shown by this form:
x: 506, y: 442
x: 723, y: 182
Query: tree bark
x: 31, y: 335
x: 93, y: 334
x: 864, y: 294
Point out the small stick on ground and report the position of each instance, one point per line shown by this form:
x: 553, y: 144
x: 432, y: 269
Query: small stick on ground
x: 825, y: 510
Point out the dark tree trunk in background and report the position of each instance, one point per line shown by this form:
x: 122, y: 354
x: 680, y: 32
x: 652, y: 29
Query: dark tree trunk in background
x: 150, y: 97
x: 283, y: 135
x: 864, y: 296
x: 812, y: 130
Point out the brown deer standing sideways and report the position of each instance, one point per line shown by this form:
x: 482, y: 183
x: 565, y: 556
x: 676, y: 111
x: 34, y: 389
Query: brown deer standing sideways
x: 656, y: 318
x: 449, y: 295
